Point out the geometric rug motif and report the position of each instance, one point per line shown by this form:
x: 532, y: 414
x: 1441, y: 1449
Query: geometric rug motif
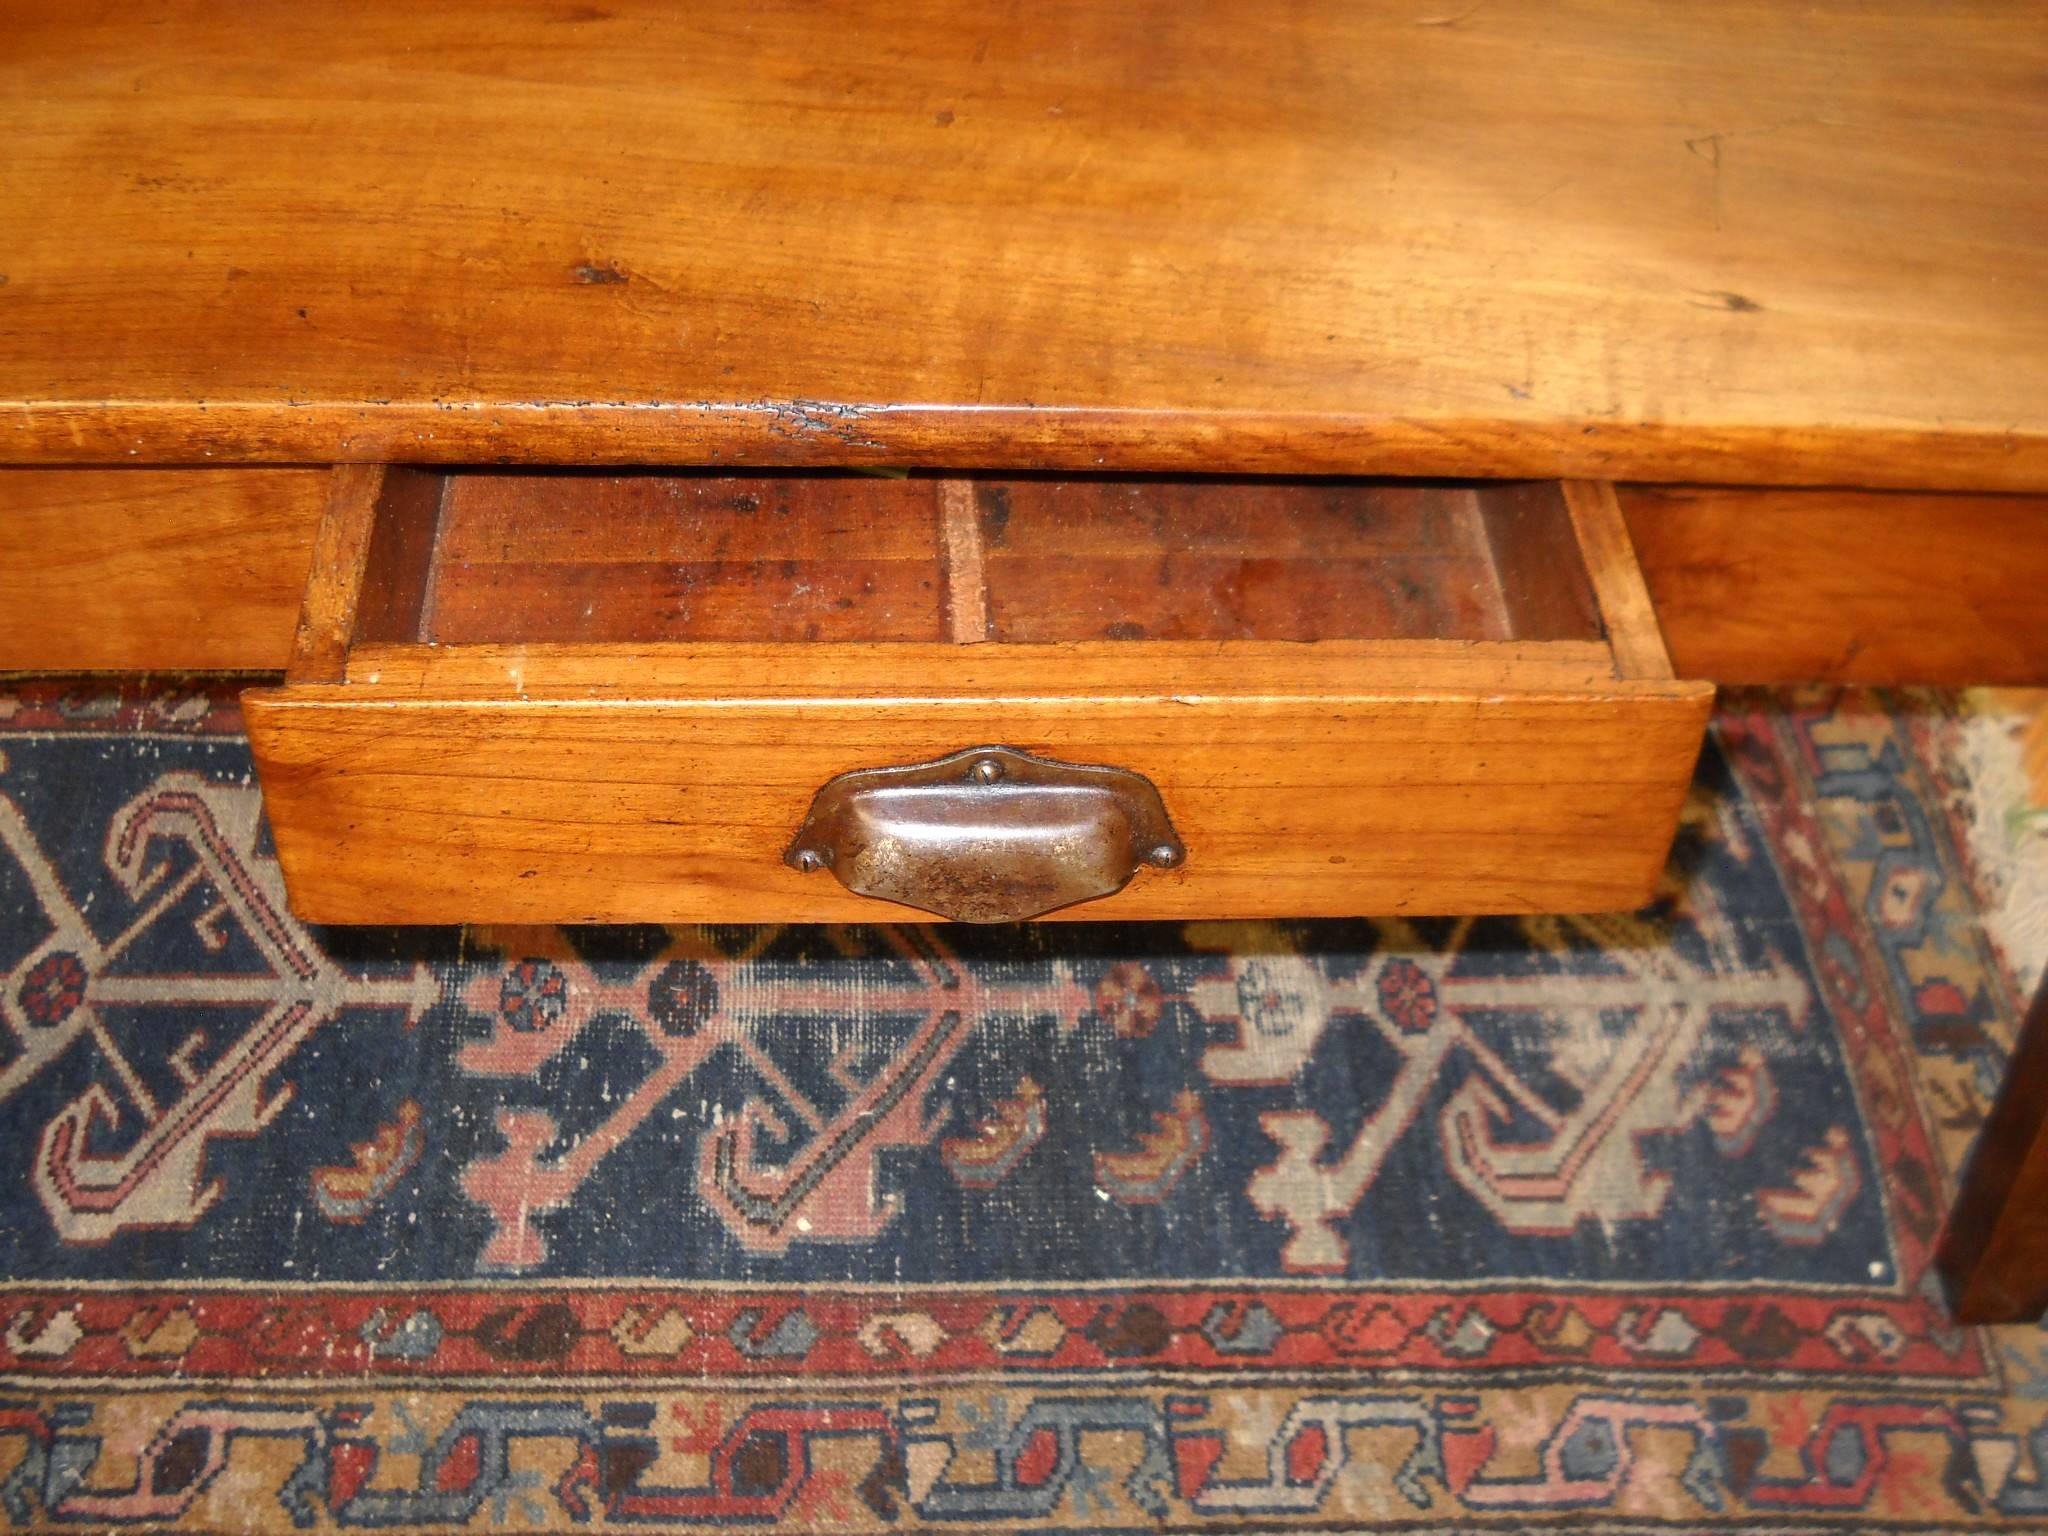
x: 1609, y: 1221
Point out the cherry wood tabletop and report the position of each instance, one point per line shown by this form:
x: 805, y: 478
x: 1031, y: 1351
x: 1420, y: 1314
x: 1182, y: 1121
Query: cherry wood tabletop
x: 1734, y: 241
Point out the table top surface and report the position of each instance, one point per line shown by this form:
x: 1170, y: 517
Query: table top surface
x: 1736, y: 241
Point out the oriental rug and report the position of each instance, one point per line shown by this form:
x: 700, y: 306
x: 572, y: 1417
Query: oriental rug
x: 1607, y: 1223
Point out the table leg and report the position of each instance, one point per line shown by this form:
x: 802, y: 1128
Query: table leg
x: 1993, y: 1256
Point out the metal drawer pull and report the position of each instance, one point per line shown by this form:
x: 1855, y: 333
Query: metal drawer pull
x: 988, y: 835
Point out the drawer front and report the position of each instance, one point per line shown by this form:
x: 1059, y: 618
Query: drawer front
x: 680, y: 810
x: 415, y: 772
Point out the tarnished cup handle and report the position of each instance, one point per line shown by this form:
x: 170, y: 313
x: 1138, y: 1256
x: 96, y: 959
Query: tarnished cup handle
x: 988, y: 835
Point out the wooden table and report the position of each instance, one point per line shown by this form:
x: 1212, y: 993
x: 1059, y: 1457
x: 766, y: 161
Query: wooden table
x: 1744, y: 242
x: 1742, y: 245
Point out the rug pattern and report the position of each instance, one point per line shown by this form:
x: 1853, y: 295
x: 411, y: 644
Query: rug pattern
x: 1608, y: 1222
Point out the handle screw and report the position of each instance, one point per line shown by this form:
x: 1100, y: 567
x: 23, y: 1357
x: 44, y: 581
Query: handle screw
x: 1165, y: 856
x: 988, y: 770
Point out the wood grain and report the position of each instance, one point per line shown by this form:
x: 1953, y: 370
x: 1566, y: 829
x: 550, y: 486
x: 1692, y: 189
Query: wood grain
x: 563, y: 516
x: 1993, y: 1255
x: 1076, y: 558
x: 964, y: 566
x: 1841, y: 586
x: 150, y: 569
x: 687, y: 557
x: 645, y: 809
x: 1610, y: 559
x: 664, y: 556
x: 1599, y: 238
x: 1545, y: 589
x: 404, y: 549
x: 897, y: 674
x: 349, y: 529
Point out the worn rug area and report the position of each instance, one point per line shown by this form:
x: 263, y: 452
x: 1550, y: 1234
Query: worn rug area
x: 1611, y: 1223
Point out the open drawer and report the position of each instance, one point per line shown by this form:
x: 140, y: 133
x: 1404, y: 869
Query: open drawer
x: 574, y: 697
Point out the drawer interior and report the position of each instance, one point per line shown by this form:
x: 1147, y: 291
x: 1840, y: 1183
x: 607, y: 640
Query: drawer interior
x: 491, y: 557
